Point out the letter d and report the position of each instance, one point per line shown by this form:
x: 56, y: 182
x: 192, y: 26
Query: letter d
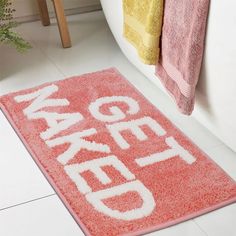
x: 95, y: 198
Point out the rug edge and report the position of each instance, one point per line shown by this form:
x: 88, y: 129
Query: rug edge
x: 112, y: 69
x: 184, y: 218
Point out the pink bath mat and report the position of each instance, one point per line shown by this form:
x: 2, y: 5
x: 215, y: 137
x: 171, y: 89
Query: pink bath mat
x: 118, y: 164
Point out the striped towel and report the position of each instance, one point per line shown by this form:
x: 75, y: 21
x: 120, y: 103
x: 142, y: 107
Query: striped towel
x: 142, y: 27
x: 182, y: 48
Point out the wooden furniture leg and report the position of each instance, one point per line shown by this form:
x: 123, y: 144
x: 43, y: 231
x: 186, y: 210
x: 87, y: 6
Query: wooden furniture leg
x: 43, y: 11
x: 62, y: 24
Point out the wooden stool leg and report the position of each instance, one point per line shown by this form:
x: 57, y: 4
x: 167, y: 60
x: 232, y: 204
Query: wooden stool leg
x: 43, y: 12
x: 62, y: 24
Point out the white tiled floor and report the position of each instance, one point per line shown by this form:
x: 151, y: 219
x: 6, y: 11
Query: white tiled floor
x: 28, y: 204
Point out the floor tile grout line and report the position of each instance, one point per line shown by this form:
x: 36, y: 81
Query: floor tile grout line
x: 194, y: 221
x: 26, y: 202
x: 50, y: 59
x: 45, y: 54
x: 212, y: 147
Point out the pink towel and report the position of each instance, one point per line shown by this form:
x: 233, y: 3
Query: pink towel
x: 182, y: 47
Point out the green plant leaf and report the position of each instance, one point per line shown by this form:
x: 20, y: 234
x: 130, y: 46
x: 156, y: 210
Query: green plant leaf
x: 7, y: 35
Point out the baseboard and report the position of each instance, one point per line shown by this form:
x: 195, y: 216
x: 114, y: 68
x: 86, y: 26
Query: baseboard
x: 68, y: 12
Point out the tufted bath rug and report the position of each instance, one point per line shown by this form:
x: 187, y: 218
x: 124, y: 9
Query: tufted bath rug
x: 118, y: 164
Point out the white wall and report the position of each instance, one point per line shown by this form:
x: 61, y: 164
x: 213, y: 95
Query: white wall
x: 28, y: 9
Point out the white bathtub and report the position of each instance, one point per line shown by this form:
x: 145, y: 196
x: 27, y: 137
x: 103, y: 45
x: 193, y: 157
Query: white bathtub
x: 215, y: 104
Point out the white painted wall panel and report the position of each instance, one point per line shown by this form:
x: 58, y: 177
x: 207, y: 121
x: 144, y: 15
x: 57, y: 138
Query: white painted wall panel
x: 27, y: 8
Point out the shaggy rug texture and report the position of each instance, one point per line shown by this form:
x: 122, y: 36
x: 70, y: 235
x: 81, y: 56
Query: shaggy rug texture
x: 118, y: 164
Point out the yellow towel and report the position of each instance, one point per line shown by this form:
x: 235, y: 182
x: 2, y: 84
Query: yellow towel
x: 142, y: 27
